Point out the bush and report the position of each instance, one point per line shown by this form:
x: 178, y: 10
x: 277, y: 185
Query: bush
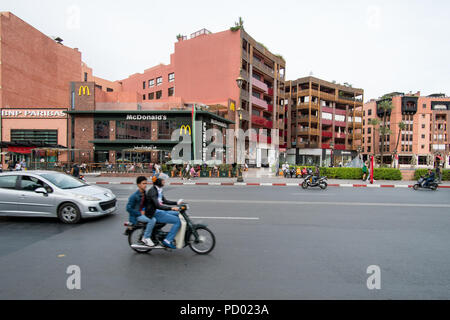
x: 387, y: 174
x: 356, y: 173
x: 422, y: 172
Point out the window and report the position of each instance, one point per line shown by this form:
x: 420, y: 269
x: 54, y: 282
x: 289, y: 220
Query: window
x: 369, y: 130
x: 101, y: 129
x: 109, y: 90
x: 171, y: 77
x: 369, y: 112
x: 47, y: 136
x: 171, y: 92
x: 151, y: 83
x: 143, y: 97
x: 143, y: 85
x: 133, y: 130
x: 85, y: 77
x: 423, y: 126
x: 151, y: 96
x: 158, y: 94
x: 404, y: 159
x: 31, y: 184
x: 424, y: 106
x: 423, y: 136
x: 158, y: 81
x: 8, y: 182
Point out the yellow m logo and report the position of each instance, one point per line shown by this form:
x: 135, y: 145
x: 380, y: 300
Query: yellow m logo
x: 85, y: 90
x: 186, y: 128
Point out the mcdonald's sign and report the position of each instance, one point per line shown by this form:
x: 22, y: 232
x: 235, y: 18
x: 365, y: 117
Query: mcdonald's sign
x: 84, y: 89
x: 186, y: 128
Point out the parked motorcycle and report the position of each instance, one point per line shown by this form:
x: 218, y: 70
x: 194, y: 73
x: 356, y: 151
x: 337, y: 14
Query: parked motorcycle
x: 320, y: 182
x: 198, y: 237
x: 421, y: 182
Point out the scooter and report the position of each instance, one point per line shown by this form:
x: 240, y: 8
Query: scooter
x: 198, y: 237
x: 320, y: 182
x: 420, y: 185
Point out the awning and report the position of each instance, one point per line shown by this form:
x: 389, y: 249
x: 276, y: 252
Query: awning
x: 22, y: 150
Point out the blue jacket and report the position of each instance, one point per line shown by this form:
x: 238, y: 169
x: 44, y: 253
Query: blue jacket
x: 134, y: 202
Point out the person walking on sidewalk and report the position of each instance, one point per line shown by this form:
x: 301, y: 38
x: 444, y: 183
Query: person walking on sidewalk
x: 365, y: 172
x: 438, y: 173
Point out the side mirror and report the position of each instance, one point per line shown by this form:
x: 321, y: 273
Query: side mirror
x: 41, y: 190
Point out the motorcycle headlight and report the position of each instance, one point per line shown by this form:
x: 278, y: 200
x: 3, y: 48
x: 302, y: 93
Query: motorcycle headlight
x: 87, y: 198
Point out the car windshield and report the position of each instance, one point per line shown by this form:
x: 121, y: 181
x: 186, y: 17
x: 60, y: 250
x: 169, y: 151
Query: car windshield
x: 64, y: 181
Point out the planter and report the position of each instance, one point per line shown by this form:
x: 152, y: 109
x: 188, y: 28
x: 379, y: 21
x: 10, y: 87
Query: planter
x: 204, y: 174
x: 223, y: 174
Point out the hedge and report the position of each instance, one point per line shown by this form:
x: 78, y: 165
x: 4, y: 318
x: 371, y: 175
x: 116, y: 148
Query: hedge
x: 422, y: 172
x: 356, y: 173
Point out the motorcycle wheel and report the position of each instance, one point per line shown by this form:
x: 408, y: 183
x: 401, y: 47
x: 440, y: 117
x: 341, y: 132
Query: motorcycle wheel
x: 305, y: 185
x: 323, y: 185
x: 134, y: 237
x: 206, y: 243
x: 433, y: 187
x: 416, y: 187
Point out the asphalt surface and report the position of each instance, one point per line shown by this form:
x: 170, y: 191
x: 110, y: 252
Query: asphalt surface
x: 272, y: 243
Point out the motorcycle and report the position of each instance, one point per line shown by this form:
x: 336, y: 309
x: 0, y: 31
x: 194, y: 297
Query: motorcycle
x: 198, y: 237
x: 420, y: 184
x: 320, y: 182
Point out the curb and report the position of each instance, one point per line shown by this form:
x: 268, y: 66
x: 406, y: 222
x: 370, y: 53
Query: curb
x: 271, y: 184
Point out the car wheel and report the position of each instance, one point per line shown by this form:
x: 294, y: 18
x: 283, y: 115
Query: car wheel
x: 69, y: 213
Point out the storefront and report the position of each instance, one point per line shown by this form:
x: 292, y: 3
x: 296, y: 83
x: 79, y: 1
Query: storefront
x: 23, y: 130
x: 140, y: 136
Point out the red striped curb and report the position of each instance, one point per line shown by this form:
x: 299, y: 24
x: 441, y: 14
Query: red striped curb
x: 256, y: 184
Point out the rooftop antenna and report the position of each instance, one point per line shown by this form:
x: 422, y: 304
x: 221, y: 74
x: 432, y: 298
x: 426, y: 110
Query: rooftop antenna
x: 58, y: 39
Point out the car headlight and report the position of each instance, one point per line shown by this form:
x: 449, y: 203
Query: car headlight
x: 87, y: 198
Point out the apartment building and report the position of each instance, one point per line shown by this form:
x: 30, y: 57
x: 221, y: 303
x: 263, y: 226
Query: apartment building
x: 323, y: 121
x: 424, y: 140
x: 203, y: 70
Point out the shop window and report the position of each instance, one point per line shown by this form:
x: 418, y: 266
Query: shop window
x: 101, y: 129
x: 46, y: 136
x: 404, y: 159
x: 422, y: 160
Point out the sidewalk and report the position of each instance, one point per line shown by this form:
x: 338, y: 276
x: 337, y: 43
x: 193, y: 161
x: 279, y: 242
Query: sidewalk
x: 262, y: 181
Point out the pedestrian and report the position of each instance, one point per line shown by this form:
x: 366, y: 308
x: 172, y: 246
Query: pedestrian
x: 75, y: 172
x: 438, y: 173
x: 1, y: 167
x: 18, y: 167
x: 365, y: 171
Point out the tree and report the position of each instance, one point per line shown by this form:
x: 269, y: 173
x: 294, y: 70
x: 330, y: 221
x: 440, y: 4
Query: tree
x: 401, y: 127
x: 238, y: 25
x: 386, y: 106
x: 374, y: 122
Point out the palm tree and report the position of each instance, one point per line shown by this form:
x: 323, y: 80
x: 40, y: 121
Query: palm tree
x: 374, y: 122
x: 386, y: 106
x: 401, y: 127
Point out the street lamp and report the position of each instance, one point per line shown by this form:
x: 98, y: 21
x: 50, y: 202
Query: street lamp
x: 240, y: 83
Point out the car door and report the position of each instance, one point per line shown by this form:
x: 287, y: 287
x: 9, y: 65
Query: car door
x: 9, y: 195
x: 32, y: 203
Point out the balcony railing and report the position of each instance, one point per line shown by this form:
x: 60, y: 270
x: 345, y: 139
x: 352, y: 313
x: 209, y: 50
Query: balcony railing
x: 260, y: 85
x: 262, y: 67
x: 327, y: 134
x: 305, y: 106
x: 259, y: 102
x: 262, y: 121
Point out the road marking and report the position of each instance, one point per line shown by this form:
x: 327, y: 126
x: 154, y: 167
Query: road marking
x: 364, y: 204
x: 227, y: 218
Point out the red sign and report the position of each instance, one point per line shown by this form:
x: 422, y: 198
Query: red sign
x: 24, y: 150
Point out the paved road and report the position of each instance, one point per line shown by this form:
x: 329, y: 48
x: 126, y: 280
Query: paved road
x: 282, y: 243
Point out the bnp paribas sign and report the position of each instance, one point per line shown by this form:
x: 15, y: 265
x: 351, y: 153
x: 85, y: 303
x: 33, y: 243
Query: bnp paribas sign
x: 146, y: 117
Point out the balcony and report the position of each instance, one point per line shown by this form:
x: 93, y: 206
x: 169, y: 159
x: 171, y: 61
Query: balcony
x: 307, y: 119
x: 340, y: 124
x: 270, y: 92
x: 245, y: 54
x: 327, y: 109
x: 244, y: 94
x: 305, y: 106
x: 307, y: 131
x: 262, y: 121
x: 260, y: 85
x: 340, y: 112
x: 340, y: 135
x: 244, y: 74
x: 262, y: 67
x: 327, y: 134
x: 327, y: 122
x: 261, y: 138
x: 339, y: 147
x: 259, y: 102
x: 270, y: 108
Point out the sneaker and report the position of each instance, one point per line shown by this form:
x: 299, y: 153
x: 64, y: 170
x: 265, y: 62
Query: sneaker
x: 167, y: 244
x: 148, y: 242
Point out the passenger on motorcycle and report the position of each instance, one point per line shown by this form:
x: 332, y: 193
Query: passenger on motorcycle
x: 157, y: 206
x: 429, y: 178
x: 316, y: 175
x: 136, y: 210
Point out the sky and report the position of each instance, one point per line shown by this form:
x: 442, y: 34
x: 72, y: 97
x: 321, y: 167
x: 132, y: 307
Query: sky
x: 380, y: 46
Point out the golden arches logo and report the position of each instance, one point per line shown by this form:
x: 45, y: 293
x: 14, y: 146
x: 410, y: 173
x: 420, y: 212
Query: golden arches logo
x: 186, y: 130
x: 85, y: 90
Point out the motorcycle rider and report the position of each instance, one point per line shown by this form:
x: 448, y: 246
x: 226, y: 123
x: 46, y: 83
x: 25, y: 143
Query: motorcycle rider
x: 316, y: 175
x: 157, y: 206
x: 136, y: 209
x: 429, y: 178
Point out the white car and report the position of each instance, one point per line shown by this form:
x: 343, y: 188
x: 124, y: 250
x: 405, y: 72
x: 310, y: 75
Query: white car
x: 52, y: 194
